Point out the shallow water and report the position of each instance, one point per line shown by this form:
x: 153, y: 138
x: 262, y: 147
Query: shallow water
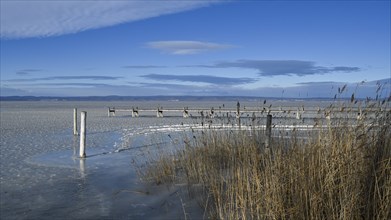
x: 42, y: 178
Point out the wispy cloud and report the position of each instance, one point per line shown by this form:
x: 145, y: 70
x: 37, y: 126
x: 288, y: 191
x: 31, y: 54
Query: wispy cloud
x: 169, y: 86
x: 5, y: 91
x: 324, y: 83
x: 376, y: 83
x: 22, y: 73
x: 65, y: 78
x: 21, y: 19
x: 177, y: 89
x: 361, y: 89
x: 72, y: 84
x: 185, y: 47
x: 201, y: 78
x: 27, y: 71
x: 142, y: 66
x: 282, y: 67
x: 326, y: 89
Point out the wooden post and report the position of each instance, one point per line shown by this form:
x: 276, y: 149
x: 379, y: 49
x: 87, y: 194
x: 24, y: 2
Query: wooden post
x: 75, y: 132
x: 202, y: 118
x: 238, y: 114
x: 83, y: 129
x: 212, y: 113
x: 253, y: 118
x: 268, y: 130
x: 134, y: 112
x: 159, y: 112
x: 185, y: 112
x: 238, y: 110
x: 298, y: 114
x: 111, y: 110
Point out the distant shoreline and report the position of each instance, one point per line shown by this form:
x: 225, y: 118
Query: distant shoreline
x: 157, y: 98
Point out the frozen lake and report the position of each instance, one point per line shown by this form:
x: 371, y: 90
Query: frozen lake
x: 42, y: 179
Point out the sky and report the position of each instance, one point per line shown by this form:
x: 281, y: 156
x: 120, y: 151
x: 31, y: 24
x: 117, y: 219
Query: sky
x: 287, y: 49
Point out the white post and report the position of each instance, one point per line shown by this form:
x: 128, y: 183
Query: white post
x: 298, y: 114
x: 75, y: 122
x: 83, y: 130
x: 82, y: 164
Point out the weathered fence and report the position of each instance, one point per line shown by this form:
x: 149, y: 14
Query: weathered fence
x: 250, y: 115
x: 298, y: 113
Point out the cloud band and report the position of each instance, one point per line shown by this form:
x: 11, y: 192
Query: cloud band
x: 185, y: 47
x: 282, y: 67
x: 22, y: 19
x: 201, y: 79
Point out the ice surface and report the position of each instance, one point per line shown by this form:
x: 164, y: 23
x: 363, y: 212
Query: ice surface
x: 42, y: 178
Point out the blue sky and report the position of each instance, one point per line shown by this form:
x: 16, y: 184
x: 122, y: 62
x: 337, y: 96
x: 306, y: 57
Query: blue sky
x: 230, y: 48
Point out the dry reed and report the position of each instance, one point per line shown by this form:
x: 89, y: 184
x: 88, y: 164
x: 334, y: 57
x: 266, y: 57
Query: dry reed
x: 342, y: 171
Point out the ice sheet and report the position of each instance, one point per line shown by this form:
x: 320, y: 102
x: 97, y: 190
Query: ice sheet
x: 42, y: 178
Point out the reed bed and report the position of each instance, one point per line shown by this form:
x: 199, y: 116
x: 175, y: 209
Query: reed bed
x: 340, y: 171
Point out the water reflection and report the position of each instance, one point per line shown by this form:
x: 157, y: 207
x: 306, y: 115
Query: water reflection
x: 82, y: 168
x: 75, y: 146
